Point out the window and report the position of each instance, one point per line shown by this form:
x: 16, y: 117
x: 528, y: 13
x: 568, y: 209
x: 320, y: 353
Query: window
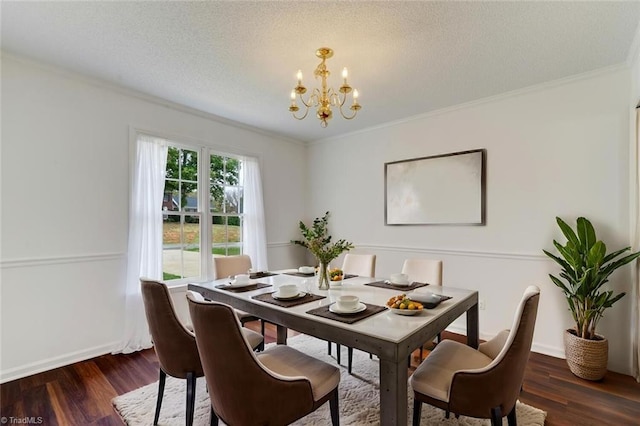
x: 192, y: 207
x: 226, y: 196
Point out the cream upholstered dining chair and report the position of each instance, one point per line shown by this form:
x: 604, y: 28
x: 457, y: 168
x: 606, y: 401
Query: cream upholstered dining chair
x: 226, y: 266
x: 363, y: 265
x: 483, y: 383
x: 174, y: 344
x: 424, y: 271
x: 275, y: 387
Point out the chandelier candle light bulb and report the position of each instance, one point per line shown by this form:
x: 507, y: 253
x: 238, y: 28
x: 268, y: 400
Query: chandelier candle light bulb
x: 324, y: 98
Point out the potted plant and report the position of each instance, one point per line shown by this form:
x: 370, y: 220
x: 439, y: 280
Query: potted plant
x: 586, y: 267
x: 318, y: 241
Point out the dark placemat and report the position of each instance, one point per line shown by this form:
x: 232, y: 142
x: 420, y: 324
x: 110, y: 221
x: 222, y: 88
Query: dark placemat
x: 267, y: 297
x: 243, y: 289
x: 256, y: 275
x: 384, y: 284
x: 347, y: 276
x: 324, y: 312
x: 300, y: 274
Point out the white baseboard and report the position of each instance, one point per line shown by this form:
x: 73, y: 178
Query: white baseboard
x: 55, y: 362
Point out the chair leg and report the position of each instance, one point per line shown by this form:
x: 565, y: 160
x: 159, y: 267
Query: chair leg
x: 439, y: 338
x: 511, y: 417
x: 417, y: 412
x: 421, y: 355
x: 214, y: 418
x: 329, y: 348
x: 338, y: 353
x: 334, y: 408
x: 161, y: 382
x: 349, y: 359
x: 370, y: 356
x: 496, y: 416
x: 262, y: 327
x: 191, y: 397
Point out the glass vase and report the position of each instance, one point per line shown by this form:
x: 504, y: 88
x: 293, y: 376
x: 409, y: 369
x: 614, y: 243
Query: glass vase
x: 323, y: 276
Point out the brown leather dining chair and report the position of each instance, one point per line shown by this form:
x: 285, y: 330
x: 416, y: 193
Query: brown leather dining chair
x: 226, y: 266
x: 275, y: 387
x: 362, y: 265
x: 483, y: 383
x: 174, y: 344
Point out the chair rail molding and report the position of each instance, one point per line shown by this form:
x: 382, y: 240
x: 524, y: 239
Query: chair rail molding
x: 456, y: 252
x: 56, y: 260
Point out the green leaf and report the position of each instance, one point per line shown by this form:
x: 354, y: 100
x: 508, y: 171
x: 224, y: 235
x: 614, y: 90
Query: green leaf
x: 586, y: 234
x: 568, y: 232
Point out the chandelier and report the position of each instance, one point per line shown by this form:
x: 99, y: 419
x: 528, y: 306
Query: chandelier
x: 323, y: 98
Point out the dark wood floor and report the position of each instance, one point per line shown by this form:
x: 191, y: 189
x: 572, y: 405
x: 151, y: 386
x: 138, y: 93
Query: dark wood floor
x: 81, y: 393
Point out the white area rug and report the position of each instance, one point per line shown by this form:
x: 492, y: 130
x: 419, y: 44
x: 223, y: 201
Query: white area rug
x: 358, y: 398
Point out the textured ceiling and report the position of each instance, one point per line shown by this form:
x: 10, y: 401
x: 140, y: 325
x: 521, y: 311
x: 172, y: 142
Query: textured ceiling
x: 238, y: 60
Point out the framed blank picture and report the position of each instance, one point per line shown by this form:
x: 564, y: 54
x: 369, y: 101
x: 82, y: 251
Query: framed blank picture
x: 447, y: 189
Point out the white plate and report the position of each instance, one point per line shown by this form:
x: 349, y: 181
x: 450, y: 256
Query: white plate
x: 276, y: 295
x: 239, y: 285
x: 334, y: 308
x: 307, y: 270
x: 406, y: 311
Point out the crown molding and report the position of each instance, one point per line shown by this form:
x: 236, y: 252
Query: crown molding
x: 127, y: 91
x: 456, y: 252
x: 482, y: 101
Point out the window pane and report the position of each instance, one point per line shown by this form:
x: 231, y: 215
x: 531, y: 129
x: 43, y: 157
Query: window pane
x: 232, y: 171
x: 232, y: 199
x: 216, y: 183
x: 189, y: 201
x: 173, y: 168
x: 171, y: 200
x: 181, y: 247
x: 189, y: 165
x: 234, y: 229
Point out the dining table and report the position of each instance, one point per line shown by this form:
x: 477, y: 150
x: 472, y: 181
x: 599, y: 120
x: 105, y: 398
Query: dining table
x: 389, y: 336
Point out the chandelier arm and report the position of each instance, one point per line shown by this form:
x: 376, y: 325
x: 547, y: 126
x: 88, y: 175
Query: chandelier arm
x: 355, y: 112
x: 306, y: 111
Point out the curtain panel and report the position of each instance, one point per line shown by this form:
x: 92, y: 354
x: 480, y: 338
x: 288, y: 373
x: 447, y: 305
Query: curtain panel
x: 144, y: 250
x: 254, y: 236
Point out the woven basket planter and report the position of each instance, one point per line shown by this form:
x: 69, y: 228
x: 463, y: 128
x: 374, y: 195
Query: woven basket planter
x: 587, y: 359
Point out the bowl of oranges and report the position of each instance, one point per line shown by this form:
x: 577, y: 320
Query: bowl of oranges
x: 402, y: 305
x: 335, y: 277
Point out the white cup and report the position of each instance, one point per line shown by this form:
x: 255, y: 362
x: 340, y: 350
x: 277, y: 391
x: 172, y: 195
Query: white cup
x: 401, y: 279
x: 306, y: 269
x: 241, y: 279
x: 288, y: 290
x: 347, y: 302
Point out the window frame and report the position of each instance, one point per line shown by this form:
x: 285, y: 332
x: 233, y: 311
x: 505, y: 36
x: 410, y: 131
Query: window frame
x: 204, y: 208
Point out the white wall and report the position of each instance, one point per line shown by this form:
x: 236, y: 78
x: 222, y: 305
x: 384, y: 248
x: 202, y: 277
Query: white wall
x: 65, y: 186
x: 557, y: 150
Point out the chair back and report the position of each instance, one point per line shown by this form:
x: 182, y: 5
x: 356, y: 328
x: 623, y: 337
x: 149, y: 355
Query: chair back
x: 231, y: 265
x: 175, y: 346
x: 242, y: 390
x: 474, y: 392
x: 423, y: 270
x: 363, y: 265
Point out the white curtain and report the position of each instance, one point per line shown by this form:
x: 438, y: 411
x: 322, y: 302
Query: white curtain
x: 635, y: 321
x: 253, y: 232
x: 145, y: 237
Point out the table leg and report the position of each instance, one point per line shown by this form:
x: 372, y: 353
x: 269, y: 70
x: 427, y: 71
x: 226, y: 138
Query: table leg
x: 281, y: 338
x: 393, y: 392
x: 473, y: 328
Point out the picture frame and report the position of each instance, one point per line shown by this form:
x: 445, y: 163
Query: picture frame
x: 446, y: 189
